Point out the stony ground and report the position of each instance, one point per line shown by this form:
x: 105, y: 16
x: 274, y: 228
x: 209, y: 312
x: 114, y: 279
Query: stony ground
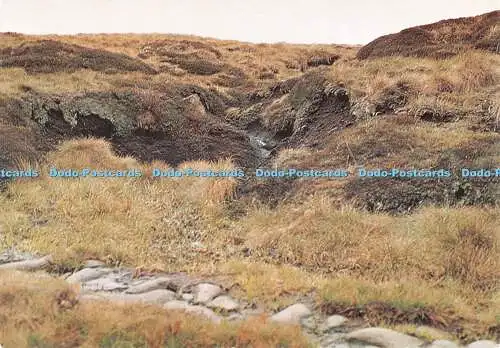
x: 209, y: 299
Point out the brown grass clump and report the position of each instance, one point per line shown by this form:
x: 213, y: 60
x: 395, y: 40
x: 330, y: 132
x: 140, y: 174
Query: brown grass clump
x: 438, y: 40
x: 49, y: 56
x: 43, y: 312
x: 132, y: 218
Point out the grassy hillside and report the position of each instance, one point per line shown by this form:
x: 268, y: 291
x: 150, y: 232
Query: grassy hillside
x: 392, y: 252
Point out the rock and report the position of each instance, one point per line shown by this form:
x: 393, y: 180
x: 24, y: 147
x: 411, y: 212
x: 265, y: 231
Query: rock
x: 103, y: 285
x: 153, y: 284
x: 93, y: 264
x: 87, y: 274
x: 198, y: 310
x: 483, y: 344
x: 292, y: 314
x: 334, y: 321
x: 309, y: 323
x: 175, y: 304
x: 28, y: 265
x: 205, y: 292
x: 155, y: 297
x: 187, y: 297
x: 225, y: 303
x: 384, y: 338
x: 204, y: 311
x: 443, y: 344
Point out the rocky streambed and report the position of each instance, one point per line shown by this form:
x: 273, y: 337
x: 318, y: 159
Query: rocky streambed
x: 210, y: 300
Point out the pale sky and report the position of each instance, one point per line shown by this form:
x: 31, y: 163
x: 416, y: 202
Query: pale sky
x: 294, y: 21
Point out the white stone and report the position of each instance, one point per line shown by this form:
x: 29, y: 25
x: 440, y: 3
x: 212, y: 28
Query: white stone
x: 28, y: 265
x: 197, y: 310
x: 155, y: 297
x: 87, y: 274
x: 206, y: 292
x: 153, y: 284
x: 484, y: 344
x: 225, y: 303
x: 187, y: 297
x: 204, y: 311
x: 334, y: 321
x: 292, y: 314
x: 103, y: 285
x: 384, y: 338
x: 443, y: 344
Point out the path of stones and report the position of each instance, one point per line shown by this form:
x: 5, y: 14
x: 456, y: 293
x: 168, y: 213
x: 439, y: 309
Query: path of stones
x: 178, y: 291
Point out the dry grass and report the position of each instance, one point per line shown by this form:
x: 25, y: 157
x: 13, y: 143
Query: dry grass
x: 43, y: 312
x: 443, y: 259
x: 139, y: 221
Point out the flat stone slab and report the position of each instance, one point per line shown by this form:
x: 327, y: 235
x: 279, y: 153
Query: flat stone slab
x: 292, y: 314
x: 149, y: 285
x: 28, y: 265
x: 384, y: 338
x: 484, y: 344
x: 205, y: 292
x: 197, y: 310
x: 225, y: 303
x: 443, y: 344
x: 87, y: 274
x: 103, y: 285
x: 155, y: 297
x: 333, y: 322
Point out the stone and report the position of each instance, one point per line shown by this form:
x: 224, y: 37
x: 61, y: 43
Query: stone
x: 155, y: 297
x: 28, y: 265
x: 309, y: 323
x: 197, y: 310
x: 205, y: 292
x: 484, y: 344
x: 159, y: 296
x: 443, y: 344
x: 103, y: 285
x: 187, y: 297
x: 153, y: 284
x: 384, y: 338
x: 225, y: 303
x: 292, y: 314
x: 334, y: 321
x: 204, y: 311
x: 87, y: 274
x: 93, y: 264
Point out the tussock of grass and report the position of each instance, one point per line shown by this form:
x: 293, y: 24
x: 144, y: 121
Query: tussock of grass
x: 139, y: 221
x: 446, y: 259
x: 39, y: 311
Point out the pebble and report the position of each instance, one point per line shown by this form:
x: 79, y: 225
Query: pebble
x: 205, y: 292
x: 153, y: 284
x: 103, y: 285
x: 292, y: 314
x: 384, y: 338
x: 484, y: 344
x: 187, y: 297
x: 225, y: 303
x: 334, y: 321
x: 28, y: 265
x: 443, y: 344
x: 87, y: 274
